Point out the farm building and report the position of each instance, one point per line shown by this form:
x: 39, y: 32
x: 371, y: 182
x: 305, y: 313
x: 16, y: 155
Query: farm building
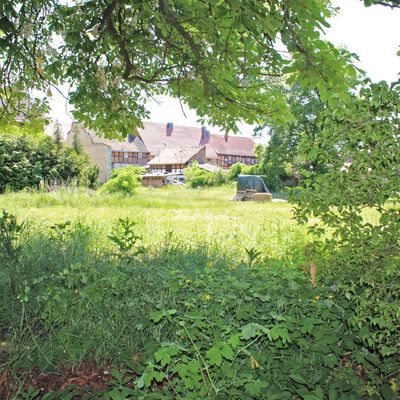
x: 176, y: 159
x: 221, y: 150
x: 108, y: 154
x: 163, y: 140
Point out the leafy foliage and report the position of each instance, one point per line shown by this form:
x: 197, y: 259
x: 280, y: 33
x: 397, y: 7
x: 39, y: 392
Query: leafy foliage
x: 124, y: 180
x: 58, y: 136
x: 10, y: 235
x: 236, y: 169
x: 281, y: 158
x: 124, y: 237
x: 221, y: 59
x: 195, y: 176
x: 26, y: 163
x: 193, y: 323
x: 360, y: 143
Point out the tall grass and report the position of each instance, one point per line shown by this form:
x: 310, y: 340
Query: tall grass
x: 215, y: 267
x: 205, y: 216
x: 76, y: 299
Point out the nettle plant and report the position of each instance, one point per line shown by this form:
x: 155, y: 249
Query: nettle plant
x: 359, y: 143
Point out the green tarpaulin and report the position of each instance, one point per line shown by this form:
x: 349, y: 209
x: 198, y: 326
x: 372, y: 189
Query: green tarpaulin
x: 254, y: 182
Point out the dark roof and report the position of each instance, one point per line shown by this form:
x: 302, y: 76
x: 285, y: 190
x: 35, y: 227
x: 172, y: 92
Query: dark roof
x: 156, y: 139
x: 175, y: 155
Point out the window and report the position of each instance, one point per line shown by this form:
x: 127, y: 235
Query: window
x: 127, y: 157
x: 116, y: 157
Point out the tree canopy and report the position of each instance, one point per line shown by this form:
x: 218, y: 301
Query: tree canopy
x: 386, y: 3
x: 222, y: 58
x: 359, y: 143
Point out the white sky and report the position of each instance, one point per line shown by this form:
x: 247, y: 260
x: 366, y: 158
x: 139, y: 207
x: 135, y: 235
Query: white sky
x: 373, y: 33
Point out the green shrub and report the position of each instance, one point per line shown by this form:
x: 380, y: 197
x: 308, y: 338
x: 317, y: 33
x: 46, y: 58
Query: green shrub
x: 28, y: 162
x: 123, y: 180
x: 235, y: 171
x: 197, y: 177
x: 219, y: 177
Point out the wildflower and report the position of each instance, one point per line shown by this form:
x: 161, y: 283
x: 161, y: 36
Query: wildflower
x: 316, y: 298
x: 207, y: 297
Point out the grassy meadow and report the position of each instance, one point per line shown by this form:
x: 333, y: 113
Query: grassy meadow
x: 175, y: 294
x: 206, y: 217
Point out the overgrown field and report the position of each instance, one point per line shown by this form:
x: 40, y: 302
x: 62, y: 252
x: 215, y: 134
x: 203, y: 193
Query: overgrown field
x: 183, y: 294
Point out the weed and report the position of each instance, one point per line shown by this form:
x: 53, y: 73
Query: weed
x: 125, y: 239
x: 10, y: 235
x: 252, y: 256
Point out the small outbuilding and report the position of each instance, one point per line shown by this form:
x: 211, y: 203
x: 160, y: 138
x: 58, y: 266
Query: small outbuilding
x: 158, y: 180
x: 176, y: 159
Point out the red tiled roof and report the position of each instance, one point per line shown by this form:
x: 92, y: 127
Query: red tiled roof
x: 234, y: 146
x: 155, y: 137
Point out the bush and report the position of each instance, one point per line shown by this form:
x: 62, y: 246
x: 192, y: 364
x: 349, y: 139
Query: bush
x: 219, y: 177
x: 124, y: 180
x: 26, y: 163
x: 198, y: 177
x: 235, y: 171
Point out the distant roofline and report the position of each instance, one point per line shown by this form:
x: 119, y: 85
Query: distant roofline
x: 197, y: 127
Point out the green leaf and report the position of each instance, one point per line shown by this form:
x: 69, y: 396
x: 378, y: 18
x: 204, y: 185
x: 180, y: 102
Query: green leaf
x: 298, y: 379
x: 234, y: 341
x: 214, y: 356
x: 312, y: 396
x: 332, y: 394
x: 307, y: 325
x: 163, y: 356
x: 226, y: 351
x: 157, y: 316
x: 387, y: 392
x: 279, y: 332
x: 254, y: 388
x: 251, y: 330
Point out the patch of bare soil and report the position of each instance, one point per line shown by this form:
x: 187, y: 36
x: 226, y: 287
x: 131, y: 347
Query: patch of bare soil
x: 87, y: 377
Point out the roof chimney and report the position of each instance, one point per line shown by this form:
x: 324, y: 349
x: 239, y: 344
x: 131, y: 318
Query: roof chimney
x: 226, y: 137
x: 203, y: 133
x: 131, y: 138
x: 170, y: 128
